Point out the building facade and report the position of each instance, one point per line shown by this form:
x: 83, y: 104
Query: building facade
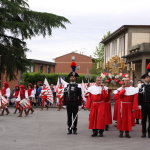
x: 84, y: 63
x: 132, y: 44
x: 36, y: 66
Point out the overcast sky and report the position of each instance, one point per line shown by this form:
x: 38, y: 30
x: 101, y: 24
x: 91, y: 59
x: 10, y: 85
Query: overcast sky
x: 90, y: 20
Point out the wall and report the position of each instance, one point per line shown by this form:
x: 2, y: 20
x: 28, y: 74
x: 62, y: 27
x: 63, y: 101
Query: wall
x: 138, y: 38
x: 63, y: 63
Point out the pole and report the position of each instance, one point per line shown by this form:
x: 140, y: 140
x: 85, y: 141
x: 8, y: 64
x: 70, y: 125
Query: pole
x: 73, y: 121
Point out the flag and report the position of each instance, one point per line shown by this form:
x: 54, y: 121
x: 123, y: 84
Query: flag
x: 63, y: 82
x: 83, y: 90
x: 49, y: 92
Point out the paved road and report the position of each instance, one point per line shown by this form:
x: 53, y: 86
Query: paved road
x: 46, y: 130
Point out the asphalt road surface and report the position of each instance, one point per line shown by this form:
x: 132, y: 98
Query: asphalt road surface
x: 46, y: 130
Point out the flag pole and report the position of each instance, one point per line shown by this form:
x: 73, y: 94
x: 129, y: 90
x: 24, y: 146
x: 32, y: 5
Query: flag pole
x: 73, y: 121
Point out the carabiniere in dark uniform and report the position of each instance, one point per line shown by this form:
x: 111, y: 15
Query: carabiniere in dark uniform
x: 72, y: 101
x: 144, y: 101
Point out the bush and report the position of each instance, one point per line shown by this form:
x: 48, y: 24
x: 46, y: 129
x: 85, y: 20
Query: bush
x: 52, y: 78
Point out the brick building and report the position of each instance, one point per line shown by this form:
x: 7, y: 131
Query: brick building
x: 37, y: 66
x: 84, y: 63
x: 42, y: 66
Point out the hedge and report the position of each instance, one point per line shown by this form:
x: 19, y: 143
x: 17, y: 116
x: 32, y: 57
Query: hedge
x: 52, y: 78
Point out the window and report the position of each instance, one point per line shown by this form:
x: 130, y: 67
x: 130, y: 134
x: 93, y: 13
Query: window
x: 40, y: 68
x: 48, y: 69
x: 73, y: 58
x: 32, y: 68
x: 78, y: 67
x: 114, y: 48
x: 28, y: 69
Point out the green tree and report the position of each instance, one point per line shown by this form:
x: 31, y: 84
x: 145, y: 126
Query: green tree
x: 99, y: 56
x: 18, y: 23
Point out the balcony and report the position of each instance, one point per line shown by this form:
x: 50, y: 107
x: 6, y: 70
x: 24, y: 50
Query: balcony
x: 144, y: 47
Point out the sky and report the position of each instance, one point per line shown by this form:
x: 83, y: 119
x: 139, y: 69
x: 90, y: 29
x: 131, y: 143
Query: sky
x: 90, y: 21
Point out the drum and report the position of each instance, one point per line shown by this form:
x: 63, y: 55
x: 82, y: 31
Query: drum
x: 25, y: 103
x: 13, y: 100
x: 4, y: 101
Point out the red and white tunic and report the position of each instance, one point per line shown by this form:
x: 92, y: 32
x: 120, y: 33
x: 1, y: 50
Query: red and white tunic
x: 116, y: 101
x: 96, y: 104
x: 30, y: 94
x: 5, y: 94
x: 128, y: 101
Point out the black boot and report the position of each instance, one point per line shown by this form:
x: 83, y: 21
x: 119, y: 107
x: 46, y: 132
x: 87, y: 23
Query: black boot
x: 94, y: 133
x: 127, y: 134
x: 137, y: 121
x: 32, y: 110
x: 101, y: 133
x: 75, y: 131
x: 7, y: 111
x: 121, y: 134
x: 69, y: 131
x: 26, y: 112
x: 143, y: 135
x: 2, y: 112
x: 20, y: 115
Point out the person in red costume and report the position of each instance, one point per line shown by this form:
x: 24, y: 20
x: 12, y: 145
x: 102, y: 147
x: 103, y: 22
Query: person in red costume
x: 59, y: 95
x: 15, y: 95
x: 43, y: 95
x: 73, y: 66
x: 108, y: 114
x: 29, y: 94
x: 96, y: 104
x: 117, y: 102
x: 21, y: 96
x: 128, y: 104
x: 5, y: 93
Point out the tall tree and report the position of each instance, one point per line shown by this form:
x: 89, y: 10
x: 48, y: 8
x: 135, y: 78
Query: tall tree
x: 99, y: 56
x: 18, y: 23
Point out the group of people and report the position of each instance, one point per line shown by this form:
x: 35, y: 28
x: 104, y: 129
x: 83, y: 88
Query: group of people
x: 21, y: 97
x: 24, y: 98
x: 131, y: 104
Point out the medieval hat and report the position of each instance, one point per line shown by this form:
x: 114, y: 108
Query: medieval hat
x: 73, y: 74
x: 147, y: 74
